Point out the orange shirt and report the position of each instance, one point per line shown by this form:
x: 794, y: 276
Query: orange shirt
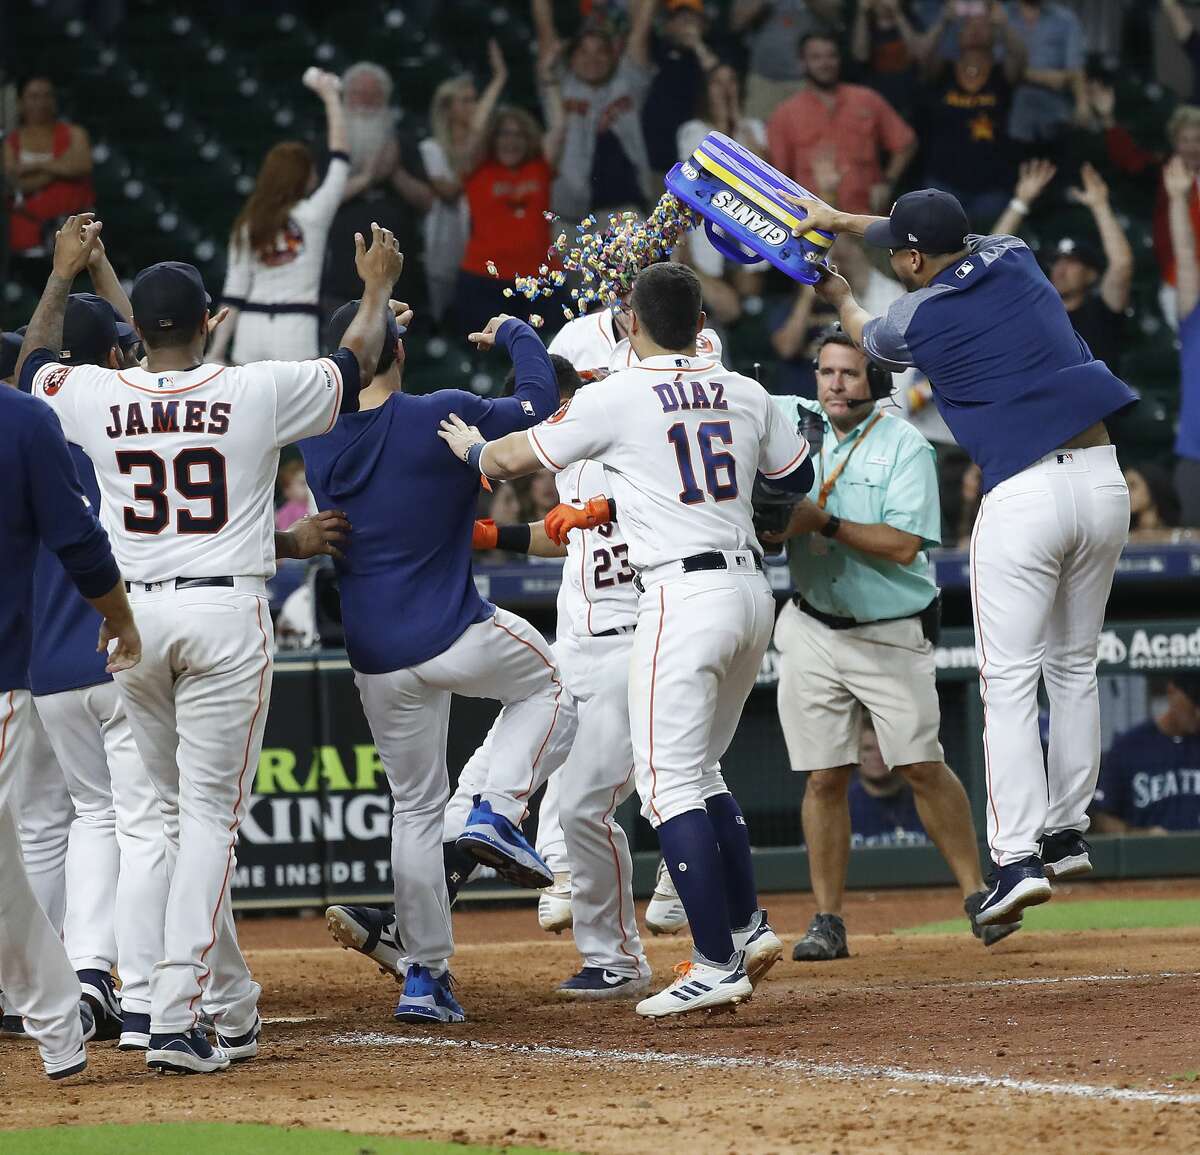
x: 856, y: 130
x: 507, y: 222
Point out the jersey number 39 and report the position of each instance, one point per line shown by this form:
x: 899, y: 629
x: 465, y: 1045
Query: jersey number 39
x: 720, y: 469
x: 199, y: 475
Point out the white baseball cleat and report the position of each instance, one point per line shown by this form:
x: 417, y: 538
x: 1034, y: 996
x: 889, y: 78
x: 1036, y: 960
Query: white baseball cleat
x: 554, y: 905
x: 665, y: 913
x: 760, y: 947
x: 699, y: 986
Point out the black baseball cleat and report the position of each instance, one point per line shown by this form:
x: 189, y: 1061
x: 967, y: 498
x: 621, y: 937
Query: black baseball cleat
x: 1013, y: 888
x: 825, y: 939
x: 371, y: 932
x: 1066, y: 854
x: 99, y: 992
x: 992, y: 933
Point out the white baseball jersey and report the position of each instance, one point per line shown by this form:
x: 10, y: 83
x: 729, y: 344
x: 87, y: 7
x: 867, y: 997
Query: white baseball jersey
x: 186, y: 460
x: 592, y: 342
x: 681, y: 440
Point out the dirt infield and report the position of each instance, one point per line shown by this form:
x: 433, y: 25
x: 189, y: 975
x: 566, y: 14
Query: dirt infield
x: 1087, y: 1041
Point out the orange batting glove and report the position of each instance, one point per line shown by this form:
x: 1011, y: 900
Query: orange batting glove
x: 484, y: 535
x: 564, y: 518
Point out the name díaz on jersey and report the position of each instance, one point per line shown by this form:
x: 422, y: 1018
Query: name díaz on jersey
x: 132, y: 420
x: 750, y: 218
x: 681, y: 394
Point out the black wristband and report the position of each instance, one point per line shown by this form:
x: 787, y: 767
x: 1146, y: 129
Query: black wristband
x: 513, y: 538
x: 612, y: 509
x: 831, y: 527
x: 474, y: 454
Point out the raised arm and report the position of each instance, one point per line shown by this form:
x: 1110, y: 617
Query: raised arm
x: 637, y: 45
x: 543, y: 26
x: 1118, y: 254
x: 484, y: 107
x: 106, y: 282
x: 1016, y: 54
x: 1177, y: 19
x: 1032, y: 178
x: 745, y: 13
x: 1179, y: 181
x: 827, y: 218
x: 380, y: 267
x: 535, y: 395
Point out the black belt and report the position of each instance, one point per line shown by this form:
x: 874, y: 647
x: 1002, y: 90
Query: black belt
x: 837, y: 623
x: 272, y: 310
x: 615, y: 632
x: 714, y: 560
x: 187, y: 583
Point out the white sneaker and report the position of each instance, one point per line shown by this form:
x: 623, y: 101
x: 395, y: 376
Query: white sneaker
x: 760, y: 947
x: 665, y: 913
x: 554, y: 905
x: 699, y: 986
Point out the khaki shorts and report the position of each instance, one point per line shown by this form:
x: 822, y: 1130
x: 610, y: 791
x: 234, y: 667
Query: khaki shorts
x: 828, y: 677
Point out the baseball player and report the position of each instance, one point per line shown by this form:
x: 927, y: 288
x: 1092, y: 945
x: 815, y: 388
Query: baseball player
x: 44, y: 502
x: 1024, y: 397
x: 277, y: 250
x: 418, y: 631
x: 681, y: 457
x: 185, y: 455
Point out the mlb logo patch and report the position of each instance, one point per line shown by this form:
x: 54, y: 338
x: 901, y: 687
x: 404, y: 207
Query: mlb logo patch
x: 1065, y: 458
x: 963, y: 269
x: 527, y: 408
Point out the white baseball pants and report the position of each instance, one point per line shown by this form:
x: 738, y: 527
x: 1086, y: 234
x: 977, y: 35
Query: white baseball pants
x: 35, y: 973
x: 595, y: 779
x: 697, y: 651
x: 408, y: 711
x: 1043, y: 554
x: 44, y: 813
x: 116, y: 861
x: 197, y: 704
x: 278, y: 337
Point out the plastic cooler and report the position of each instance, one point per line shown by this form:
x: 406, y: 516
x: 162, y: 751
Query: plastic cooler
x: 738, y: 195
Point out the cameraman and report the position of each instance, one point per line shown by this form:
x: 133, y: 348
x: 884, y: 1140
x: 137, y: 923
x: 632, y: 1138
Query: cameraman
x: 858, y: 633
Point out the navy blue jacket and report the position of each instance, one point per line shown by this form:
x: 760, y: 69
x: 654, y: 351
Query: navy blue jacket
x: 65, y: 627
x: 406, y: 583
x: 1010, y: 376
x: 43, y: 501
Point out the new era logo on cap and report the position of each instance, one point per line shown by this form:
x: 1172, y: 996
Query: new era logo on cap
x: 928, y: 220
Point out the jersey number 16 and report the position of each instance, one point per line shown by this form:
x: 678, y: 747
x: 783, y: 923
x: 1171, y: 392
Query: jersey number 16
x: 720, y: 469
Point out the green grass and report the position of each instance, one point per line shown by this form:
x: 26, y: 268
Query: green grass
x: 1112, y: 914
x: 225, y: 1139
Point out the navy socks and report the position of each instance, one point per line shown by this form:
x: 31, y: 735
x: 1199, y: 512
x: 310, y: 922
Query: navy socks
x: 733, y: 838
x: 690, y: 849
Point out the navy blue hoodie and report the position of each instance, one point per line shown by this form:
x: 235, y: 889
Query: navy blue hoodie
x: 406, y: 584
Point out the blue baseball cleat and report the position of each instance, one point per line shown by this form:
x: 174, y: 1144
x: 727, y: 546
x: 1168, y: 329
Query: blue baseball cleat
x: 428, y: 999
x: 1013, y: 888
x: 185, y: 1053
x: 600, y: 983
x: 496, y: 842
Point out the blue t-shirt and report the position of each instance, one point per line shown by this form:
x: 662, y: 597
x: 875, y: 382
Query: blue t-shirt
x: 406, y: 583
x: 42, y: 503
x: 1010, y: 376
x: 1187, y: 440
x: 890, y: 821
x: 1150, y: 779
x: 65, y: 627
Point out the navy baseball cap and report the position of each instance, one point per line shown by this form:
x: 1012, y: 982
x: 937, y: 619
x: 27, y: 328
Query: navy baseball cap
x: 340, y: 322
x: 10, y: 350
x: 91, y: 327
x: 928, y: 220
x: 169, y: 295
x: 1081, y: 251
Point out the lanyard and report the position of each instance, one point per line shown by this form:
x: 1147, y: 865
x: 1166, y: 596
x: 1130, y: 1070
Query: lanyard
x: 828, y: 484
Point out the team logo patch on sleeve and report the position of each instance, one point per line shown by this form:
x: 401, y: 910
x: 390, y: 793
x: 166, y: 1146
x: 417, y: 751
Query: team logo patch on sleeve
x: 54, y: 380
x: 527, y: 408
x: 557, y: 417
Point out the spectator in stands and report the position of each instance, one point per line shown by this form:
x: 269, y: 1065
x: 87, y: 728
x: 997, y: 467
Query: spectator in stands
x: 851, y: 124
x: 458, y: 121
x: 604, y: 162
x: 1055, y: 87
x: 508, y: 194
x: 774, y: 30
x: 1153, y: 505
x: 1150, y: 777
x: 1185, y: 32
x: 964, y: 112
x: 883, y: 808
x: 882, y: 42
x: 1094, y: 286
x: 380, y: 186
x: 970, y: 499
x: 1180, y: 180
x: 293, y: 489
x: 277, y: 245
x: 681, y: 62
x: 47, y: 167
x: 721, y: 111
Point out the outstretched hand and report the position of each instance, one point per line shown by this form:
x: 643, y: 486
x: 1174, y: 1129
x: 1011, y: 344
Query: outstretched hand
x: 74, y: 244
x: 382, y: 263
x: 486, y: 338
x: 460, y: 437
x: 320, y: 533
x: 817, y: 214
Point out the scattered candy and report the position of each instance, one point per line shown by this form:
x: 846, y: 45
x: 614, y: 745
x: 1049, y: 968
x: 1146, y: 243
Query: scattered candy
x: 536, y: 321
x: 492, y: 270
x: 567, y: 312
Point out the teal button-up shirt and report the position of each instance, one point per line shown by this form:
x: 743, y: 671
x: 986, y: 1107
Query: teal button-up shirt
x: 891, y: 478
